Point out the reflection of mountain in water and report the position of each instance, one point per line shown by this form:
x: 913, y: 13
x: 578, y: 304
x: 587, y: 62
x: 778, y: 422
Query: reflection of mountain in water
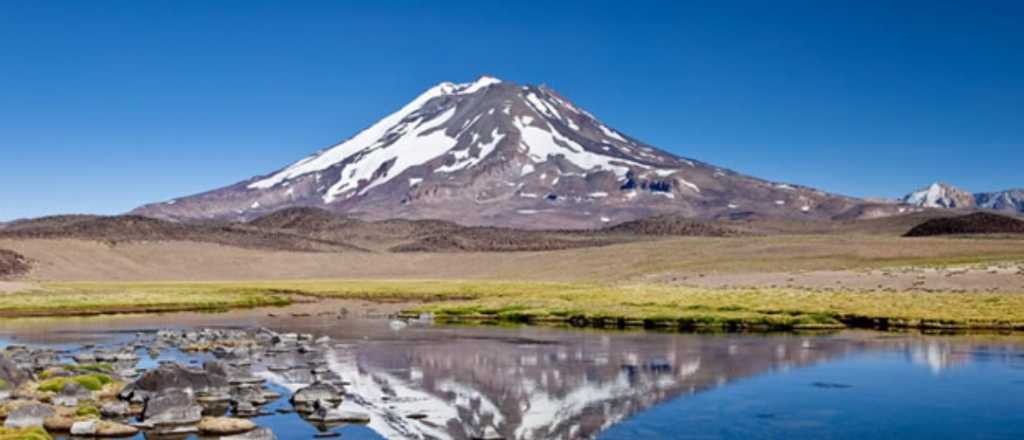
x: 551, y: 389
x: 937, y: 356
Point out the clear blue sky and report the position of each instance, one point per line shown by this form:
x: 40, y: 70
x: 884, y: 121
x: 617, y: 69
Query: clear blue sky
x: 107, y: 105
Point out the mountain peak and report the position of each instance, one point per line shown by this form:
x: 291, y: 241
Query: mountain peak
x: 490, y: 152
x: 940, y: 195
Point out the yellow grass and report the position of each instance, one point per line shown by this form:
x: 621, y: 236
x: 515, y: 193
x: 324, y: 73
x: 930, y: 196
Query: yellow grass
x: 609, y: 304
x: 98, y: 298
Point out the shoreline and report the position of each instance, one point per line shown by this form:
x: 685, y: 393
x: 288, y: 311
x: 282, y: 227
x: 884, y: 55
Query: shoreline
x: 607, y: 306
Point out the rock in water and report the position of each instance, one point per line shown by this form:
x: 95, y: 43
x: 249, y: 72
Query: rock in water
x: 174, y: 376
x: 225, y: 425
x: 174, y: 407
x: 106, y: 428
x: 306, y: 397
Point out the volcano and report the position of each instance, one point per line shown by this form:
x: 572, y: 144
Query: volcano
x: 495, y: 153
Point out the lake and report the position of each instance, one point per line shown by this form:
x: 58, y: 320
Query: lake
x: 422, y: 380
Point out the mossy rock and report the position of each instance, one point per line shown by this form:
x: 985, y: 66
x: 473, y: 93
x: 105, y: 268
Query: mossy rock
x: 91, y: 382
x: 88, y: 411
x: 35, y: 433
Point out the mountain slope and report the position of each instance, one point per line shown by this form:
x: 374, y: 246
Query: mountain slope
x: 1009, y: 200
x: 495, y: 153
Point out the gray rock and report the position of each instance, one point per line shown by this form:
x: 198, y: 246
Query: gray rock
x: 173, y: 407
x: 114, y: 409
x: 256, y: 434
x: 28, y: 416
x: 11, y: 373
x: 84, y: 427
x: 246, y: 409
x: 319, y: 391
x: 176, y: 377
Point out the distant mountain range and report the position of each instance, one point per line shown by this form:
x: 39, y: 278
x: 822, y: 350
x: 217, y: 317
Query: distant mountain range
x: 942, y: 195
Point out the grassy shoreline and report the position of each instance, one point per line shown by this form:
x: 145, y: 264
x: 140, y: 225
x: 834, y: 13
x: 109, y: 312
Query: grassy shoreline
x: 87, y: 299
x: 577, y: 304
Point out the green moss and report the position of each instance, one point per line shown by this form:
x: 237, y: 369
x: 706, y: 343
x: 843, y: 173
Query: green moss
x: 90, y: 368
x: 4, y: 385
x: 88, y: 411
x: 91, y: 382
x: 24, y: 434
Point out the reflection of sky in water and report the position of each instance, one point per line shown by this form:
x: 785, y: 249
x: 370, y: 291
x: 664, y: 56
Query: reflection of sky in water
x: 533, y: 383
x: 868, y: 396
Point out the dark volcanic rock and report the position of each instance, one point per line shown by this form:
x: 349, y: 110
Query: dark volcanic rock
x: 977, y: 223
x: 176, y: 377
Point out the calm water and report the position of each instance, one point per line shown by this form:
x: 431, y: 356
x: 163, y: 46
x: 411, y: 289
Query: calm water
x: 532, y: 383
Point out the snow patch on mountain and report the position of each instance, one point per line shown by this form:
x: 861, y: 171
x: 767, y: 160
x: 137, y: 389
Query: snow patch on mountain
x: 413, y: 148
x: 367, y: 138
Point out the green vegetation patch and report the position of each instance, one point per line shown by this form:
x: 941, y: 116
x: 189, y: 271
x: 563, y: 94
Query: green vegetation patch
x: 58, y: 299
x: 650, y: 305
x: 87, y: 411
x: 24, y: 434
x: 91, y: 382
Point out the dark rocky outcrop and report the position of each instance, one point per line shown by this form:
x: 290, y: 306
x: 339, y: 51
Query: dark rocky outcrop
x: 672, y: 225
x: 976, y: 223
x: 132, y: 228
x: 13, y: 264
x: 210, y: 380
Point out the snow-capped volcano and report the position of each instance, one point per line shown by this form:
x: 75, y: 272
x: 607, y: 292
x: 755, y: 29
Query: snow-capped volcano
x: 940, y: 195
x: 491, y: 152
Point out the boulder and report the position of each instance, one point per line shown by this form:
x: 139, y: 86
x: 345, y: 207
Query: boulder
x: 114, y: 409
x: 84, y: 427
x: 249, y: 393
x: 318, y: 391
x: 26, y: 416
x: 225, y: 425
x: 175, y: 407
x: 12, y: 375
x: 256, y: 434
x: 106, y: 428
x: 174, y: 376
